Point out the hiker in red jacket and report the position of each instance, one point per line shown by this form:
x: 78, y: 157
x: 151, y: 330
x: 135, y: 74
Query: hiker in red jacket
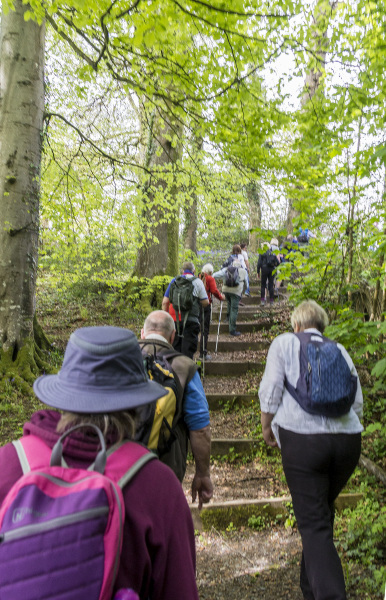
x: 211, y: 290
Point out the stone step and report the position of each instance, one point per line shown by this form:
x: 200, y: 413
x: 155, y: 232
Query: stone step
x: 235, y: 345
x: 246, y: 309
x: 244, y: 327
x: 255, y: 289
x: 252, y: 312
x: 232, y: 368
x: 221, y: 514
x: 237, y: 446
x: 230, y: 401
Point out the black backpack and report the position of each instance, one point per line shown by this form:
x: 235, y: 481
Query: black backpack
x: 160, y: 424
x: 182, y: 299
x: 303, y: 238
x: 232, y: 276
x: 270, y: 259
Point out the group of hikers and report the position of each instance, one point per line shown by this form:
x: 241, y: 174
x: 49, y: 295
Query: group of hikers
x: 87, y: 511
x: 189, y: 297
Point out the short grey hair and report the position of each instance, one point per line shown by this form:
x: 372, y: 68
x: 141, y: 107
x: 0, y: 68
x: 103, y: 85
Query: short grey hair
x: 208, y: 269
x: 188, y: 266
x: 159, y: 321
x: 309, y: 314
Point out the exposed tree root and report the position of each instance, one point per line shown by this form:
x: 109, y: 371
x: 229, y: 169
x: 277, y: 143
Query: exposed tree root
x: 19, y: 373
x: 368, y: 464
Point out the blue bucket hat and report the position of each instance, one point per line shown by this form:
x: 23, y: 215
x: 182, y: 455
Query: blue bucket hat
x: 102, y: 371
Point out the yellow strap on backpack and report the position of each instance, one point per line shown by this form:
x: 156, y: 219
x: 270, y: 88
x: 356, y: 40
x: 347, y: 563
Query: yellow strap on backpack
x: 165, y: 409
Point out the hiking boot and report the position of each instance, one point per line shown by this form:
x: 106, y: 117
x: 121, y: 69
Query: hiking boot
x: 236, y: 333
x: 262, y: 301
x: 206, y: 357
x: 247, y: 294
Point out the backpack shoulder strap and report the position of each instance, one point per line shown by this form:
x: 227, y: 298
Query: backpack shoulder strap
x: 32, y: 452
x: 125, y: 460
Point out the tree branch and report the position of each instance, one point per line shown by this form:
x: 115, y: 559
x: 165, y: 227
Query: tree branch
x: 111, y: 158
x: 69, y: 41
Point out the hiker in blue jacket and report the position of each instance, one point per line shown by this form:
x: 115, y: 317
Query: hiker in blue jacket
x: 319, y: 453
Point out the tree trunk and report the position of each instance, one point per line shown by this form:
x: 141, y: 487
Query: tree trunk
x: 377, y: 303
x: 21, y: 125
x: 190, y: 211
x: 158, y: 252
x: 253, y: 195
x: 351, y: 212
x: 190, y: 231
x: 312, y: 80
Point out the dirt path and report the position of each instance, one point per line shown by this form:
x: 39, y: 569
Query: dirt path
x: 246, y: 564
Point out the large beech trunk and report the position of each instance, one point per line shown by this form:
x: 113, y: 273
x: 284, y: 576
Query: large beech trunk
x: 159, y: 254
x: 21, y: 125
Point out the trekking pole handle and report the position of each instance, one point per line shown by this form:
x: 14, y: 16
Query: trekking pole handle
x: 100, y: 460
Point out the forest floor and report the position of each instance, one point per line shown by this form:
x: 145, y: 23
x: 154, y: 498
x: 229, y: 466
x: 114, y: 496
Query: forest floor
x: 235, y: 564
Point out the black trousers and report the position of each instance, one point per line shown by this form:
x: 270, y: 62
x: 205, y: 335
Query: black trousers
x: 188, y: 342
x: 205, y: 332
x: 266, y: 274
x: 317, y: 467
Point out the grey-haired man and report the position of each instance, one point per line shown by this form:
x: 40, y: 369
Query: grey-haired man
x: 159, y: 332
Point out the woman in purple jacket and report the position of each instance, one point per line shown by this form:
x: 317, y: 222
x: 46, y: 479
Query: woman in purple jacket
x: 102, y: 381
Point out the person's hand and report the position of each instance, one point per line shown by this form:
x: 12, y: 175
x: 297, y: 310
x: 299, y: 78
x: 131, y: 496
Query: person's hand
x: 204, y: 488
x: 268, y: 436
x: 222, y: 297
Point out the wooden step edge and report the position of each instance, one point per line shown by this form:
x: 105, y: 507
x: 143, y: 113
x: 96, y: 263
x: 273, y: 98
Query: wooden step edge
x: 232, y: 368
x: 231, y: 401
x: 243, y: 326
x: 237, y: 512
x: 237, y: 346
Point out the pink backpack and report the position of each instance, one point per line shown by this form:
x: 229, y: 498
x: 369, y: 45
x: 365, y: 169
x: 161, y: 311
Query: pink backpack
x: 61, y: 528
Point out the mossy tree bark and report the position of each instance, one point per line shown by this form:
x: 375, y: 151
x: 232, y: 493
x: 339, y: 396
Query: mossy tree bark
x: 21, y: 126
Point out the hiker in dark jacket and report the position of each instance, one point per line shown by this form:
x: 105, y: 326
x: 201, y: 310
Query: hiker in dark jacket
x: 319, y: 453
x: 158, y: 331
x: 102, y: 381
x: 266, y: 265
x: 186, y: 339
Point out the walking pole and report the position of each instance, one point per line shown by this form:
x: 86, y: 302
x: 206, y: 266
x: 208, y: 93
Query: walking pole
x: 203, y: 343
x: 218, y: 329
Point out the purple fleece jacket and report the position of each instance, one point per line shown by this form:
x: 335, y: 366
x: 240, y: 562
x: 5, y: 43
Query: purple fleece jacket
x: 158, y: 555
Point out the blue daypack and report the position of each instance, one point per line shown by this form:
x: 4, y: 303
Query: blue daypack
x: 326, y: 385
